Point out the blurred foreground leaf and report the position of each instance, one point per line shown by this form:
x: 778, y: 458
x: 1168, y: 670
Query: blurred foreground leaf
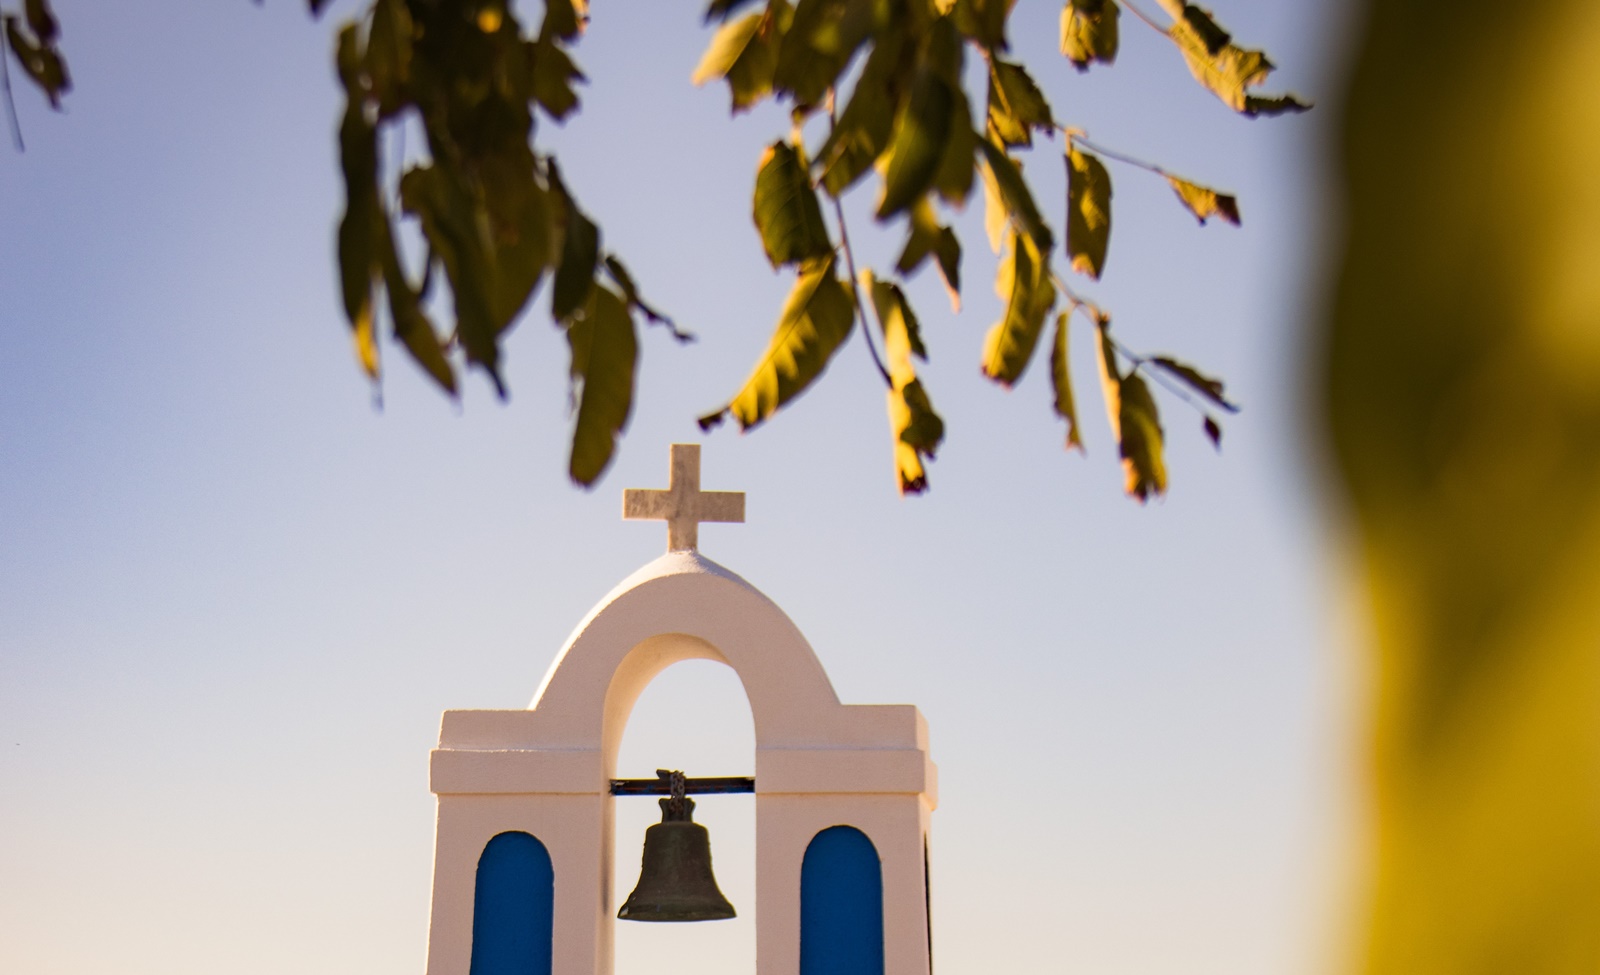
x: 1460, y: 371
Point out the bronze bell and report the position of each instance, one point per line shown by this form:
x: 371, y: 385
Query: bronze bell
x: 675, y: 881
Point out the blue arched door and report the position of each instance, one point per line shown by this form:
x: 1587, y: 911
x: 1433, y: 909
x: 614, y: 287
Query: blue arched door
x: 513, y: 908
x: 841, y: 905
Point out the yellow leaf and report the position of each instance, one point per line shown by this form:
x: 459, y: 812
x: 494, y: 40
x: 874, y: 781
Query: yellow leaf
x: 1061, y: 382
x: 1135, y: 423
x: 996, y: 221
x: 1016, y: 105
x: 1140, y: 438
x: 1224, y: 67
x: 1024, y: 282
x: 1088, y: 212
x: 1089, y: 31
x: 917, y: 431
x: 366, y: 341
x: 902, y: 335
x: 1205, y: 202
x: 1005, y: 173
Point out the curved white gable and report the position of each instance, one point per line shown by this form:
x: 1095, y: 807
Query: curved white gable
x: 684, y: 606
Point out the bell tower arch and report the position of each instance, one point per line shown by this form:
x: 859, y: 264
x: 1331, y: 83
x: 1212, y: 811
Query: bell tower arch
x: 546, y: 770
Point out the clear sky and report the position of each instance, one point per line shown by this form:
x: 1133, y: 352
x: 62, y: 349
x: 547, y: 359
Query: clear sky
x: 235, y: 596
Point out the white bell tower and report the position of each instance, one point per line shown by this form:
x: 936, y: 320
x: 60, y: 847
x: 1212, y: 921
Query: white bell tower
x: 523, y: 844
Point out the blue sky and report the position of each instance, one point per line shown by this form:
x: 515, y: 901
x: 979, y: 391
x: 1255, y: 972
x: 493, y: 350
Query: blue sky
x: 235, y: 596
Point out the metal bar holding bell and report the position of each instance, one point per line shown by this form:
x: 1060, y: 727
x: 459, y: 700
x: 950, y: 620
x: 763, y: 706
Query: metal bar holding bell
x: 661, y: 785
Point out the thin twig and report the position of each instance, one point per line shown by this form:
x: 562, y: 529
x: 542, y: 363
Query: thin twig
x: 1078, y: 301
x: 855, y: 291
x: 1170, y: 386
x: 11, y: 103
x: 1121, y: 157
x: 1146, y: 17
x: 850, y: 266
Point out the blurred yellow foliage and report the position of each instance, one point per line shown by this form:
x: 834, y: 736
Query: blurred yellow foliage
x: 1462, y: 395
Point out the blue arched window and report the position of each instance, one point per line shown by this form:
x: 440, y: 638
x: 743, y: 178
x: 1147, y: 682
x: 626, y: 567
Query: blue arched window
x: 841, y: 905
x: 513, y: 908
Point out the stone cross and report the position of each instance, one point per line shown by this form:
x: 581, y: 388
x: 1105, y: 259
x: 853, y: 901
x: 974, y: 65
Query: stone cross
x: 683, y: 505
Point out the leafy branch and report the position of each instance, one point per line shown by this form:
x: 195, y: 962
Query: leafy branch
x: 493, y: 219
x: 908, y: 117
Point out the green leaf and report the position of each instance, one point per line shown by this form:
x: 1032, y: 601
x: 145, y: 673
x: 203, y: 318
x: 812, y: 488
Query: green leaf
x: 921, y: 135
x: 519, y: 247
x: 40, y: 61
x: 388, y: 55
x: 1210, y: 388
x: 1004, y: 176
x: 863, y: 129
x: 1061, y: 383
x: 411, y: 324
x: 1089, y: 31
x: 954, y: 178
x: 786, y: 210
x: 816, y: 319
x: 1023, y: 281
x: 553, y: 75
x: 605, y: 353
x: 928, y: 237
x: 745, y: 53
x: 357, y: 247
x: 580, y: 255
x: 1088, y: 212
x: 984, y: 21
x: 564, y: 18
x: 818, y: 42
x: 1227, y: 69
x: 1135, y: 423
x: 1016, y: 105
x: 1205, y: 202
x: 451, y: 223
x: 41, y: 21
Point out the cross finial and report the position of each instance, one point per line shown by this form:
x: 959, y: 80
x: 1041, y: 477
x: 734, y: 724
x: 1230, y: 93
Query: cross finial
x: 683, y: 505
